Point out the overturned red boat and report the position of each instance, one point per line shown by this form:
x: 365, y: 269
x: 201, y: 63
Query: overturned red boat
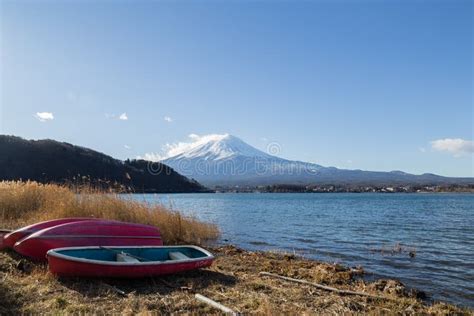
x: 126, y: 262
x: 11, y: 238
x: 87, y: 233
x: 3, y: 232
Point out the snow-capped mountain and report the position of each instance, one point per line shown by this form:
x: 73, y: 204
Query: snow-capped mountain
x: 227, y: 160
x: 217, y: 147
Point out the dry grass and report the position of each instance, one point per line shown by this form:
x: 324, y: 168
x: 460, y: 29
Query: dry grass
x: 233, y: 280
x: 23, y: 203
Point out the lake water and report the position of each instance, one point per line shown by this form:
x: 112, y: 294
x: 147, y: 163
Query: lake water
x: 354, y: 229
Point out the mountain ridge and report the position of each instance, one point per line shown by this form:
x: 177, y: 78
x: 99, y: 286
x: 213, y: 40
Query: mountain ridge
x: 219, y: 160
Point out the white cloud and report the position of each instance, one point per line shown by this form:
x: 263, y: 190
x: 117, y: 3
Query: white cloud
x: 151, y: 157
x: 44, y: 116
x: 127, y: 147
x: 196, y: 141
x: 174, y: 149
x: 123, y: 117
x: 168, y: 119
x: 455, y: 146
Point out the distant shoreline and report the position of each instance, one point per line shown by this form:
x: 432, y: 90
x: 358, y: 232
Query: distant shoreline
x: 389, y: 189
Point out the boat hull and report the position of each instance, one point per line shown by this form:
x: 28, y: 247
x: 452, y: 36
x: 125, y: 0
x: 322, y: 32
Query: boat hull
x: 67, y: 266
x: 87, y: 233
x: 11, y: 238
x: 3, y: 232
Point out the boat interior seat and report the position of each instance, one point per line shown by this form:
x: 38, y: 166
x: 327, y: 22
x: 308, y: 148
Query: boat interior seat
x: 123, y: 257
x: 176, y: 255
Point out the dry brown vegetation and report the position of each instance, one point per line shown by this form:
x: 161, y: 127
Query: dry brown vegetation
x: 24, y: 203
x: 233, y: 280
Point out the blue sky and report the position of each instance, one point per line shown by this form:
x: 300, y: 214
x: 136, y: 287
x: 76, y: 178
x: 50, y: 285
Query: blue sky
x: 375, y: 85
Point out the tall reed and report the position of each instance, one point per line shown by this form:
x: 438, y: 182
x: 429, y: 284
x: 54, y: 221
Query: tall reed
x: 23, y: 203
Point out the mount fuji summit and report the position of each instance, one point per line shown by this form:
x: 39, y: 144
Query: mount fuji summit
x: 226, y: 160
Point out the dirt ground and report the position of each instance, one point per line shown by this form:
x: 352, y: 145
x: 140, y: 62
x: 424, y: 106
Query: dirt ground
x: 233, y: 280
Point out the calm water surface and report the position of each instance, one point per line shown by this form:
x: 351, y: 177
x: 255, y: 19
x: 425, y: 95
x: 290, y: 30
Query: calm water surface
x: 352, y: 229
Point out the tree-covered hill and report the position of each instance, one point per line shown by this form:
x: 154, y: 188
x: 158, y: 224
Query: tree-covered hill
x: 57, y: 162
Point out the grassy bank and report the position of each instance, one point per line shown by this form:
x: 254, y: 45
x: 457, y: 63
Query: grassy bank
x: 24, y: 203
x: 233, y: 279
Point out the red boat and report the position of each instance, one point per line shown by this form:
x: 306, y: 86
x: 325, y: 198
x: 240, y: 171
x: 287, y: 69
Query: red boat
x: 87, y: 233
x: 3, y: 232
x: 126, y: 262
x: 11, y: 238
